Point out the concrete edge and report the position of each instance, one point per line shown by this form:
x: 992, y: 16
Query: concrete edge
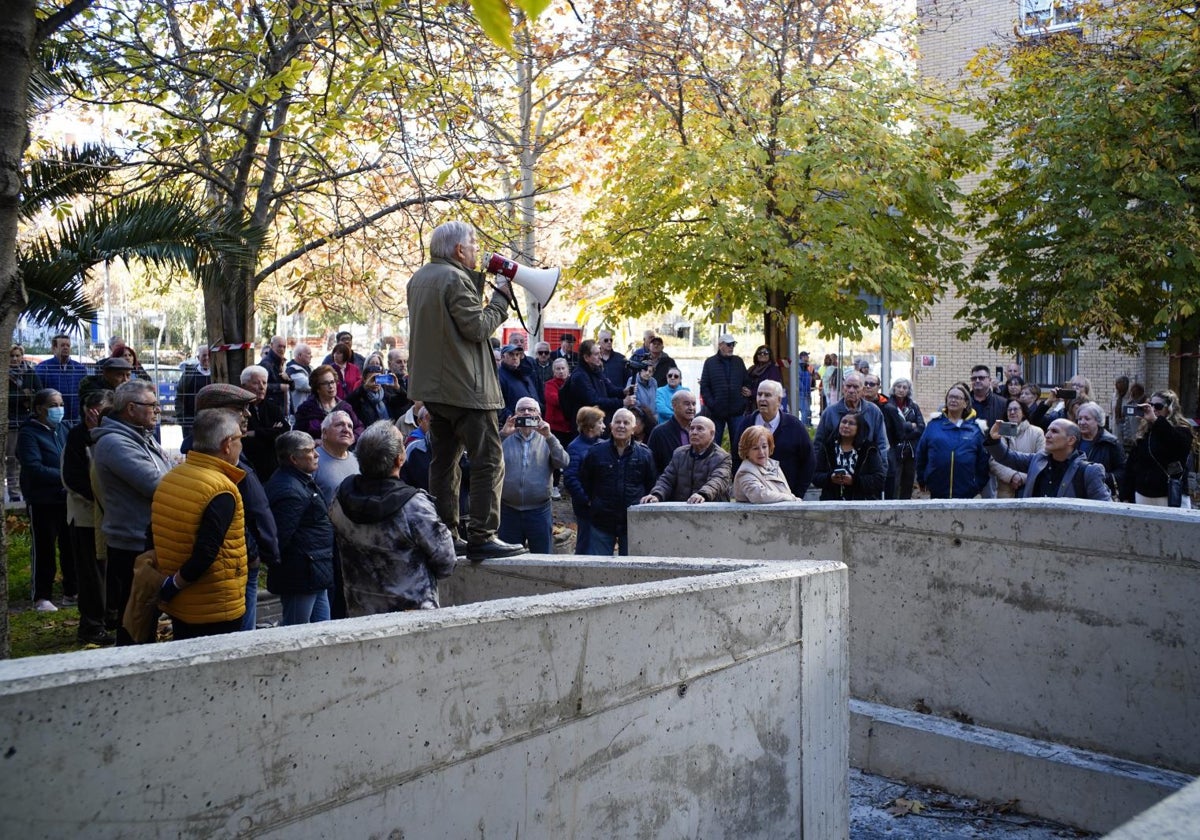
x: 1081, y: 788
x: 694, y: 575
x: 1175, y: 818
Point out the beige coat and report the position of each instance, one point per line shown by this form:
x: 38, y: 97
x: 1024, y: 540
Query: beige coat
x: 450, y: 355
x: 760, y: 485
x: 1030, y: 439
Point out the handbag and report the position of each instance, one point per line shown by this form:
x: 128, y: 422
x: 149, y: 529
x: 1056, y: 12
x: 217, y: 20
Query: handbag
x: 1174, y: 492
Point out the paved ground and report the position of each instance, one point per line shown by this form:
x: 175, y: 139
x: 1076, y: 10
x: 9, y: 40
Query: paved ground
x: 888, y: 809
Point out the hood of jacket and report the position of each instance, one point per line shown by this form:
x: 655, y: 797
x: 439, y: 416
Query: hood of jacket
x: 369, y: 500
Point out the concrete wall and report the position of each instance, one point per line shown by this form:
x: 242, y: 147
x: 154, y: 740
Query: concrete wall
x: 701, y: 705
x: 1068, y: 622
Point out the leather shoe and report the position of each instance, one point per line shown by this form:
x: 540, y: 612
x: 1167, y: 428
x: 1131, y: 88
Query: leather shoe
x: 101, y: 639
x: 493, y: 549
x: 460, y: 547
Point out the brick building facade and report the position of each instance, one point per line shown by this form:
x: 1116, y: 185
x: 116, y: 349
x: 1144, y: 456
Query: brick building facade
x: 953, y: 33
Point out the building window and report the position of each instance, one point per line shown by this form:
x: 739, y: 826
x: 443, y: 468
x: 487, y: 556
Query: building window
x: 1038, y: 16
x: 1053, y: 369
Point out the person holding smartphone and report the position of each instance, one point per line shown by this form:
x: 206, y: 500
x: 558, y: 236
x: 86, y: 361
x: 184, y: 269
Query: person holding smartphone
x: 1021, y: 436
x: 849, y: 467
x: 374, y: 399
x: 531, y: 455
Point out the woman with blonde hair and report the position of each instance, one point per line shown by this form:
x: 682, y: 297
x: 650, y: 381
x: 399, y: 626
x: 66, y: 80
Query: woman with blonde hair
x: 759, y: 479
x: 1160, y: 454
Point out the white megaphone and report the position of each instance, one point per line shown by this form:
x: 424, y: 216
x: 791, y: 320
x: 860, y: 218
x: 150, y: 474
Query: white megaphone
x: 540, y: 283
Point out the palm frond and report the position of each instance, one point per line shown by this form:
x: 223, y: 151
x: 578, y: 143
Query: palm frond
x: 72, y: 173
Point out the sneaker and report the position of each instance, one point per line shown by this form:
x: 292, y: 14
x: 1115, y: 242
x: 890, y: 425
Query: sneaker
x: 70, y: 600
x: 555, y: 493
x: 44, y: 606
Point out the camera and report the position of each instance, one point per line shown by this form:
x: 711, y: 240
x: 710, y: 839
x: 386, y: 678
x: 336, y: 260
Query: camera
x: 1009, y: 429
x: 526, y: 422
x: 636, y: 365
x: 1067, y: 393
x: 1134, y: 411
x: 385, y: 379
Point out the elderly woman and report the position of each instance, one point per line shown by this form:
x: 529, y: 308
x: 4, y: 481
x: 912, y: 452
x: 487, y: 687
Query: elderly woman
x: 849, y: 467
x: 590, y: 422
x: 323, y: 401
x: 264, y: 423
x: 1029, y: 439
x: 349, y: 375
x: 40, y: 444
x: 1160, y: 453
x: 1099, y: 446
x: 761, y: 367
x: 903, y: 456
x: 305, y: 572
x: 666, y: 393
x: 759, y: 480
x: 952, y: 462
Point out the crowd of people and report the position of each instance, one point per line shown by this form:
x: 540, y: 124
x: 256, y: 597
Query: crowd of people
x: 359, y: 483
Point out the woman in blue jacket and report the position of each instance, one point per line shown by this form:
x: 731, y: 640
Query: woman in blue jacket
x: 952, y: 462
x: 40, y: 444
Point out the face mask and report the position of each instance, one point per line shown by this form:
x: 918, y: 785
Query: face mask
x: 55, y: 415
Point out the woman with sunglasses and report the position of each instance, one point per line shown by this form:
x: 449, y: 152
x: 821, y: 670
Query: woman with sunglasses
x: 664, y: 394
x: 1161, y: 451
x: 762, y: 367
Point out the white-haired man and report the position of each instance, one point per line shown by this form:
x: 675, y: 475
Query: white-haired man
x: 531, y: 455
x: 453, y: 372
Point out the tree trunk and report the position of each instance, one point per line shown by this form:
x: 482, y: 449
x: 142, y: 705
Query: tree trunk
x: 228, y: 314
x: 18, y: 33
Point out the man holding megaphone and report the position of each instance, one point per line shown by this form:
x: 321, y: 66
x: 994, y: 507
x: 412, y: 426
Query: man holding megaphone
x: 453, y: 372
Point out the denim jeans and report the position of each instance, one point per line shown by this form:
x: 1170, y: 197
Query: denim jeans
x: 250, y: 619
x: 533, y: 526
x: 304, y: 608
x: 583, y: 534
x: 603, y: 543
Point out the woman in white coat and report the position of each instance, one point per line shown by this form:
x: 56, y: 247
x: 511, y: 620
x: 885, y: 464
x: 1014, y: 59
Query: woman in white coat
x: 1029, y: 438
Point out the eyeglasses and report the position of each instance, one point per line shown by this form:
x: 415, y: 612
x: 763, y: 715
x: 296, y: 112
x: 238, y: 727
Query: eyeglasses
x: 673, y: 376
x: 764, y: 352
x: 980, y: 378
x: 1158, y: 406
x: 153, y: 405
x: 543, y: 352
x: 325, y: 382
x: 870, y: 384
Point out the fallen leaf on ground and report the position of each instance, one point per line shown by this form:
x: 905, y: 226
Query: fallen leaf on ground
x: 901, y: 807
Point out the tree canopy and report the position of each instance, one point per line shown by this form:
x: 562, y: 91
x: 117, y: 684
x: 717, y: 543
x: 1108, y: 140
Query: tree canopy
x: 1089, y: 220
x: 786, y: 162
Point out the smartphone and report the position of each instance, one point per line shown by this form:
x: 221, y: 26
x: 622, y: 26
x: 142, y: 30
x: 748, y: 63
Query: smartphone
x: 526, y: 422
x: 1009, y: 429
x: 1133, y: 411
x: 840, y: 471
x: 1067, y: 393
x: 385, y: 379
x: 999, y: 373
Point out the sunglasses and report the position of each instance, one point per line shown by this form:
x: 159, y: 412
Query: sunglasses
x: 1158, y: 406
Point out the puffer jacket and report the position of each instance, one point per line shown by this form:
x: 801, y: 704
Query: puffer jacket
x: 40, y: 449
x: 952, y: 462
x: 305, y: 534
x: 449, y: 348
x: 128, y: 465
x: 180, y: 501
x: 613, y: 483
x: 392, y: 545
x: 710, y: 474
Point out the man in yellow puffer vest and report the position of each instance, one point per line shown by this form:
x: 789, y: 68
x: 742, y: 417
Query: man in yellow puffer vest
x: 199, y: 532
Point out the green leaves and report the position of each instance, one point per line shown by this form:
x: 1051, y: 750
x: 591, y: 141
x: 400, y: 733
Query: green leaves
x: 1089, y: 218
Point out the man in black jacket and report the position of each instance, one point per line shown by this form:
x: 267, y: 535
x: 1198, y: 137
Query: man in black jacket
x: 722, y: 388
x: 669, y: 436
